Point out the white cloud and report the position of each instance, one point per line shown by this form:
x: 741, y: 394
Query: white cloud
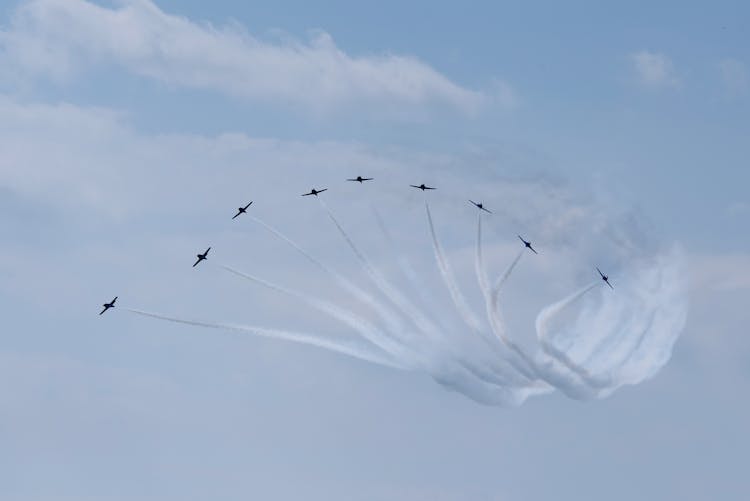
x: 734, y: 75
x: 653, y: 69
x: 60, y: 38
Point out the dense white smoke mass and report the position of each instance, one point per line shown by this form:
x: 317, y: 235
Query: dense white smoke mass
x: 586, y: 344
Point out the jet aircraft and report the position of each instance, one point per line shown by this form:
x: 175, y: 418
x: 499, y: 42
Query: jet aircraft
x: 314, y: 192
x: 202, y: 257
x: 361, y: 179
x: 108, y: 305
x: 528, y: 245
x: 480, y: 206
x: 421, y: 187
x: 605, y: 278
x: 242, y: 210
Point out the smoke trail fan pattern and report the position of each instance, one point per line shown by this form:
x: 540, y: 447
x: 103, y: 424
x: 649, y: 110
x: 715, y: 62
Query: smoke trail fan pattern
x: 587, y: 346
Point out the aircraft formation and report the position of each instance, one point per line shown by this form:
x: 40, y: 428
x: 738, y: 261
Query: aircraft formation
x: 358, y: 179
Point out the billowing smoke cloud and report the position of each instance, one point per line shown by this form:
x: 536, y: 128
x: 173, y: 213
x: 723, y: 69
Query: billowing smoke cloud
x: 587, y: 344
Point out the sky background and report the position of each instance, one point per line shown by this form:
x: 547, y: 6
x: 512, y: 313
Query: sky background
x: 130, y: 131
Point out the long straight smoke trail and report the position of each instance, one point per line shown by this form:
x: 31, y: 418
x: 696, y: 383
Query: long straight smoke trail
x: 392, y: 320
x: 364, y: 328
x: 468, y: 316
x: 408, y: 309
x: 298, y: 337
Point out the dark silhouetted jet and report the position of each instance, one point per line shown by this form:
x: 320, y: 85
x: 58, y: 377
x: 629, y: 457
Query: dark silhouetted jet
x: 421, y: 187
x: 360, y: 179
x: 108, y: 305
x: 242, y: 210
x: 480, y: 206
x: 527, y: 244
x: 202, y: 257
x: 314, y: 192
x: 605, y: 278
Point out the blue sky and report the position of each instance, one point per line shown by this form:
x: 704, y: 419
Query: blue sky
x: 130, y: 131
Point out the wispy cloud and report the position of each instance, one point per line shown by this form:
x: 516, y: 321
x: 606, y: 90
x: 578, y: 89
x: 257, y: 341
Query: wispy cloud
x: 653, y: 69
x: 61, y: 38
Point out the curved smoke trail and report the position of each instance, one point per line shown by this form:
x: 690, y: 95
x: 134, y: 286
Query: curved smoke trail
x: 525, y: 365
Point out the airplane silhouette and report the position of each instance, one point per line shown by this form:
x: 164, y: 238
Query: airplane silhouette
x: 527, y: 244
x: 480, y: 206
x: 202, y: 257
x: 242, y: 210
x: 360, y: 179
x: 108, y: 305
x: 605, y: 278
x: 314, y: 192
x: 421, y: 187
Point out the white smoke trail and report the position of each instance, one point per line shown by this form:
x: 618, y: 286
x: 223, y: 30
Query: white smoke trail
x: 362, y: 353
x: 408, y: 309
x: 590, y: 344
x: 393, y: 322
x: 489, y: 371
x: 629, y: 335
x: 571, y: 386
x: 443, y: 354
x: 522, y: 362
x: 407, y: 269
x: 359, y: 324
x: 468, y: 316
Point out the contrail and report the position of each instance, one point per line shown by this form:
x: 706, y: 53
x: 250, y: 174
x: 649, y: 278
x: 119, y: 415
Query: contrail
x: 367, y: 330
x: 407, y: 309
x: 303, y: 338
x: 394, y: 323
x: 468, y: 316
x: 587, y: 352
x: 527, y: 367
x: 543, y: 321
x: 406, y: 267
x: 427, y: 327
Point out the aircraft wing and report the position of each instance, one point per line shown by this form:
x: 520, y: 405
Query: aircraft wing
x: 102, y: 312
x: 233, y: 217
